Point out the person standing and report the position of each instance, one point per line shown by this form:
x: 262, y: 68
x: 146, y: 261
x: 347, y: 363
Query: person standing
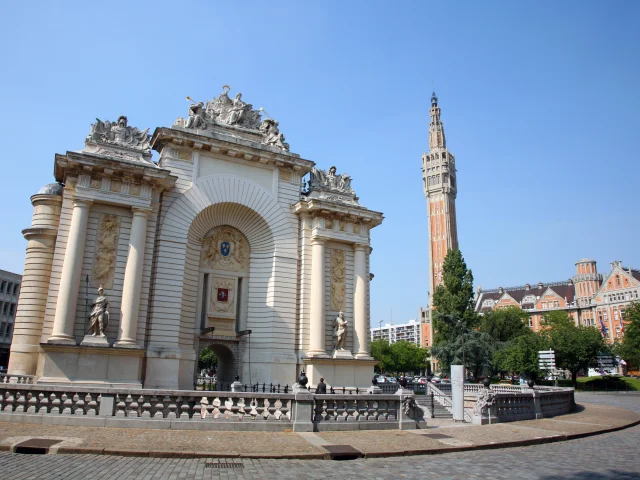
x: 321, y: 389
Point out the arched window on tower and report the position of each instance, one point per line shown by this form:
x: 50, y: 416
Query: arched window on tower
x: 444, y: 155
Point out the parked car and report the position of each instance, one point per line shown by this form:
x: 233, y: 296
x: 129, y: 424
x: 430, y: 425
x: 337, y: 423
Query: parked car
x: 423, y: 380
x: 381, y: 379
x: 435, y: 379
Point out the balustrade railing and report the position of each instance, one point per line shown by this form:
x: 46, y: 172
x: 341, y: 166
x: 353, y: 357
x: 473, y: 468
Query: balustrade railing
x: 19, y: 379
x: 332, y: 408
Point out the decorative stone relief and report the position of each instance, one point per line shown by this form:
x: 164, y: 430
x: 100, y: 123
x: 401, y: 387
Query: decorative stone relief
x: 222, y: 110
x: 116, y: 186
x: 342, y: 226
x: 184, y: 155
x: 286, y: 174
x: 328, y: 223
x: 104, y: 259
x: 96, y: 183
x: 135, y: 189
x: 227, y: 249
x: 119, y: 133
x: 338, y: 275
x: 356, y: 228
x: 222, y: 296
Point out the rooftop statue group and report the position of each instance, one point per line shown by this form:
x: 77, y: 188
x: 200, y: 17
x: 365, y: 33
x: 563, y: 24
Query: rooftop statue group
x: 119, y: 133
x: 236, y: 112
x: 321, y: 179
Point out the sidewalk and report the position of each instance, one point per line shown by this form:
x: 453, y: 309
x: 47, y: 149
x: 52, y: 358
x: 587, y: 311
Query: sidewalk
x: 440, y: 436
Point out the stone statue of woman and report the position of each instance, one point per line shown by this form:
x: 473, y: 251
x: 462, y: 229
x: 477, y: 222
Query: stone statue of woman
x: 99, y: 317
x: 340, y: 331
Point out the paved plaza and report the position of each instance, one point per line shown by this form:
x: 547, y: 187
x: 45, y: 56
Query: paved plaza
x: 607, y: 456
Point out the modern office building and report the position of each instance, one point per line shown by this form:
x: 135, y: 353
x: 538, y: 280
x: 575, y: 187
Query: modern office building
x: 409, y: 332
x: 9, y: 291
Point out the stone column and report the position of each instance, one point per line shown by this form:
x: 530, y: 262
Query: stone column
x: 34, y: 290
x: 64, y: 320
x: 132, y: 285
x: 360, y: 301
x: 317, y: 307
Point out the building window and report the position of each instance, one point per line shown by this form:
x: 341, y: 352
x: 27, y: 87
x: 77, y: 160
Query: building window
x: 15, y: 289
x: 618, y: 280
x: 4, y: 308
x: 12, y: 309
x: 530, y: 322
x: 3, y: 285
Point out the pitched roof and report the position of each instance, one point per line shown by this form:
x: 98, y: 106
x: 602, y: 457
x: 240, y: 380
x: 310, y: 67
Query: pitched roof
x: 562, y: 289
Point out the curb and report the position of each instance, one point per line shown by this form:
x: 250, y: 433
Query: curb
x: 187, y: 454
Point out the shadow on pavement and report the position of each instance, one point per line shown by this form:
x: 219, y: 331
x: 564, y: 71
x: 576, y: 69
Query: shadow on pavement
x: 610, y: 475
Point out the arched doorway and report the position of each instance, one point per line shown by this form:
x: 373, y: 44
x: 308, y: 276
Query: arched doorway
x: 226, y: 365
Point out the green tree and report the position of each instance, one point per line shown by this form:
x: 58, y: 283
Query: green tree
x: 381, y: 351
x: 208, y: 358
x: 505, y: 324
x: 470, y: 348
x: 576, y: 347
x: 454, y: 297
x: 629, y: 348
x: 520, y: 355
x: 409, y: 357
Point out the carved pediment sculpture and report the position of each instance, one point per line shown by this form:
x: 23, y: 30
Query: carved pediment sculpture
x: 323, y: 180
x: 119, y: 133
x: 223, y: 110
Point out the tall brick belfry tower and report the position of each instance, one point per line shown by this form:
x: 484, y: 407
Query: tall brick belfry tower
x: 440, y: 187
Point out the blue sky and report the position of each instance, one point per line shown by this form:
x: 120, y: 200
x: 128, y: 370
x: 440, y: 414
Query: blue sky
x: 540, y: 102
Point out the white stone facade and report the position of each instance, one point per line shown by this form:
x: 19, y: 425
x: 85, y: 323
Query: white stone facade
x: 215, y: 245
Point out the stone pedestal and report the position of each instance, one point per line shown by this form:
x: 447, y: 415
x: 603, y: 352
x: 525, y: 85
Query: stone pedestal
x: 343, y: 354
x: 236, y: 386
x: 303, y: 412
x: 95, y: 341
x: 340, y: 372
x: 90, y: 365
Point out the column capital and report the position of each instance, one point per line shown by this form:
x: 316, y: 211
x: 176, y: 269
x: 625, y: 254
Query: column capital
x: 318, y: 240
x: 141, y: 211
x: 81, y: 201
x: 360, y: 247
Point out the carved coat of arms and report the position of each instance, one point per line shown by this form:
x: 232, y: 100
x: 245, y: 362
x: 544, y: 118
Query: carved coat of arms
x: 226, y: 249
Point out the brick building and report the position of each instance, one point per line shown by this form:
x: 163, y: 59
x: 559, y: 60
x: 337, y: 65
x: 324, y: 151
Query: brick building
x: 588, y: 297
x: 440, y: 189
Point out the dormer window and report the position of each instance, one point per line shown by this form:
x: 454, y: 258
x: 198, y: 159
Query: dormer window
x: 488, y: 303
x: 529, y: 299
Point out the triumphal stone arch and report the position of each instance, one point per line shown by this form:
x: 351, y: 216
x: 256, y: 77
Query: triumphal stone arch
x: 133, y: 266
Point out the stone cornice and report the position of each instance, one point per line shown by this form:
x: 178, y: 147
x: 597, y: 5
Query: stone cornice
x: 77, y: 163
x: 228, y: 145
x: 317, y: 207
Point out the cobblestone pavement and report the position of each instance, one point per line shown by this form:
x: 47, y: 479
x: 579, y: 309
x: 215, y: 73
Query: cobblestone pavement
x: 609, y: 456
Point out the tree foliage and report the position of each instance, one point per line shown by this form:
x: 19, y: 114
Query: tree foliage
x: 520, y: 355
x: 455, y: 297
x: 208, y: 358
x: 471, y: 348
x: 629, y: 348
x: 400, y: 357
x: 505, y: 324
x: 576, y: 347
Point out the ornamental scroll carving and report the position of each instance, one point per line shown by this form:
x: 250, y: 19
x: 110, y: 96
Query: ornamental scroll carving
x: 226, y: 249
x: 106, y: 246
x: 338, y: 275
x: 119, y: 133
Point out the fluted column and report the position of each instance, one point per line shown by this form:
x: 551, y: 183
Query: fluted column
x: 34, y: 290
x: 317, y: 308
x: 360, y: 301
x: 132, y: 286
x: 64, y: 320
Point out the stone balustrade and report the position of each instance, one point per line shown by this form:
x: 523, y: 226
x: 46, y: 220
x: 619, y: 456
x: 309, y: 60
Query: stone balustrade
x: 526, y: 404
x: 19, y: 379
x: 204, y: 410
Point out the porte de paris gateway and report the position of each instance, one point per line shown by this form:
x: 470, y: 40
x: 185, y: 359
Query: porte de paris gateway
x: 133, y: 267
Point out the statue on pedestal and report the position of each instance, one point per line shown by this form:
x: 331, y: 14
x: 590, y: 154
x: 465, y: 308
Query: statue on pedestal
x: 99, y: 317
x: 340, y: 331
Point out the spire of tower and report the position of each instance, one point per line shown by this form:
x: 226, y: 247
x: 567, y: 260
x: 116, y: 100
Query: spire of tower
x: 436, y: 129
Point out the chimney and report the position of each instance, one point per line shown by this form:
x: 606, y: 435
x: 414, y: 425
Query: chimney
x: 500, y: 290
x: 527, y: 287
x: 540, y: 285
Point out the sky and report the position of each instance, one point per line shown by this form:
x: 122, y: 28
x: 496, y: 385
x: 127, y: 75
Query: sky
x: 539, y: 101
